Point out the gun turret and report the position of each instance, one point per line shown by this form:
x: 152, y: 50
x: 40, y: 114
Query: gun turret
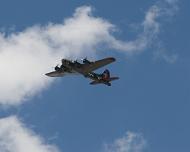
x: 85, y: 61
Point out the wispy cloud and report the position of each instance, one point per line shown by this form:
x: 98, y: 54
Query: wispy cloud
x: 27, y: 55
x: 162, y: 54
x: 151, y: 27
x: 15, y: 137
x: 130, y: 142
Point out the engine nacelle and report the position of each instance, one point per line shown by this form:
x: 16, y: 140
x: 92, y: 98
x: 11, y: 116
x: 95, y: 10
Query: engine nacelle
x: 85, y: 61
x: 57, y: 68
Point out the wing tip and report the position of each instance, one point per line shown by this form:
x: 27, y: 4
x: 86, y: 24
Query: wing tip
x: 49, y: 74
x: 117, y: 78
x: 112, y: 59
x: 54, y: 74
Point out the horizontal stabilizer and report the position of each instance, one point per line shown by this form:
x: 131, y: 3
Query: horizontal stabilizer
x: 94, y: 82
x: 113, y: 78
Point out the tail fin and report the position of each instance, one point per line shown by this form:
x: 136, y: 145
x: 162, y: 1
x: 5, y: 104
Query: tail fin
x: 106, y: 74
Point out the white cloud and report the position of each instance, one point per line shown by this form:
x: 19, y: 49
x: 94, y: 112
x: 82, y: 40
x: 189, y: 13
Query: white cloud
x: 130, y: 142
x: 15, y: 137
x: 27, y: 55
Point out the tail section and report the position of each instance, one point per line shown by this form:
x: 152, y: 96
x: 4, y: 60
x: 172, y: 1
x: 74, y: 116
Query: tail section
x: 103, y: 78
x: 106, y: 76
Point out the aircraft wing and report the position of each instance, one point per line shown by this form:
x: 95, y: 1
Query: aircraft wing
x: 97, y: 64
x: 56, y: 74
x: 59, y: 74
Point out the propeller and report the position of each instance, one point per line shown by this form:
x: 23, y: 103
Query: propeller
x: 56, y: 67
x: 84, y: 59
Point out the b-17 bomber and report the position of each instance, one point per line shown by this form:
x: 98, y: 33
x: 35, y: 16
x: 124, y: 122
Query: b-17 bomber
x: 86, y: 68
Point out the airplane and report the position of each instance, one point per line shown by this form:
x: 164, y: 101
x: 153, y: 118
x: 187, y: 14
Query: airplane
x: 86, y: 69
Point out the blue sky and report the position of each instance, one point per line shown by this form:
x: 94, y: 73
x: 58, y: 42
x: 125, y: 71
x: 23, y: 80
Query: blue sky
x: 146, y: 110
